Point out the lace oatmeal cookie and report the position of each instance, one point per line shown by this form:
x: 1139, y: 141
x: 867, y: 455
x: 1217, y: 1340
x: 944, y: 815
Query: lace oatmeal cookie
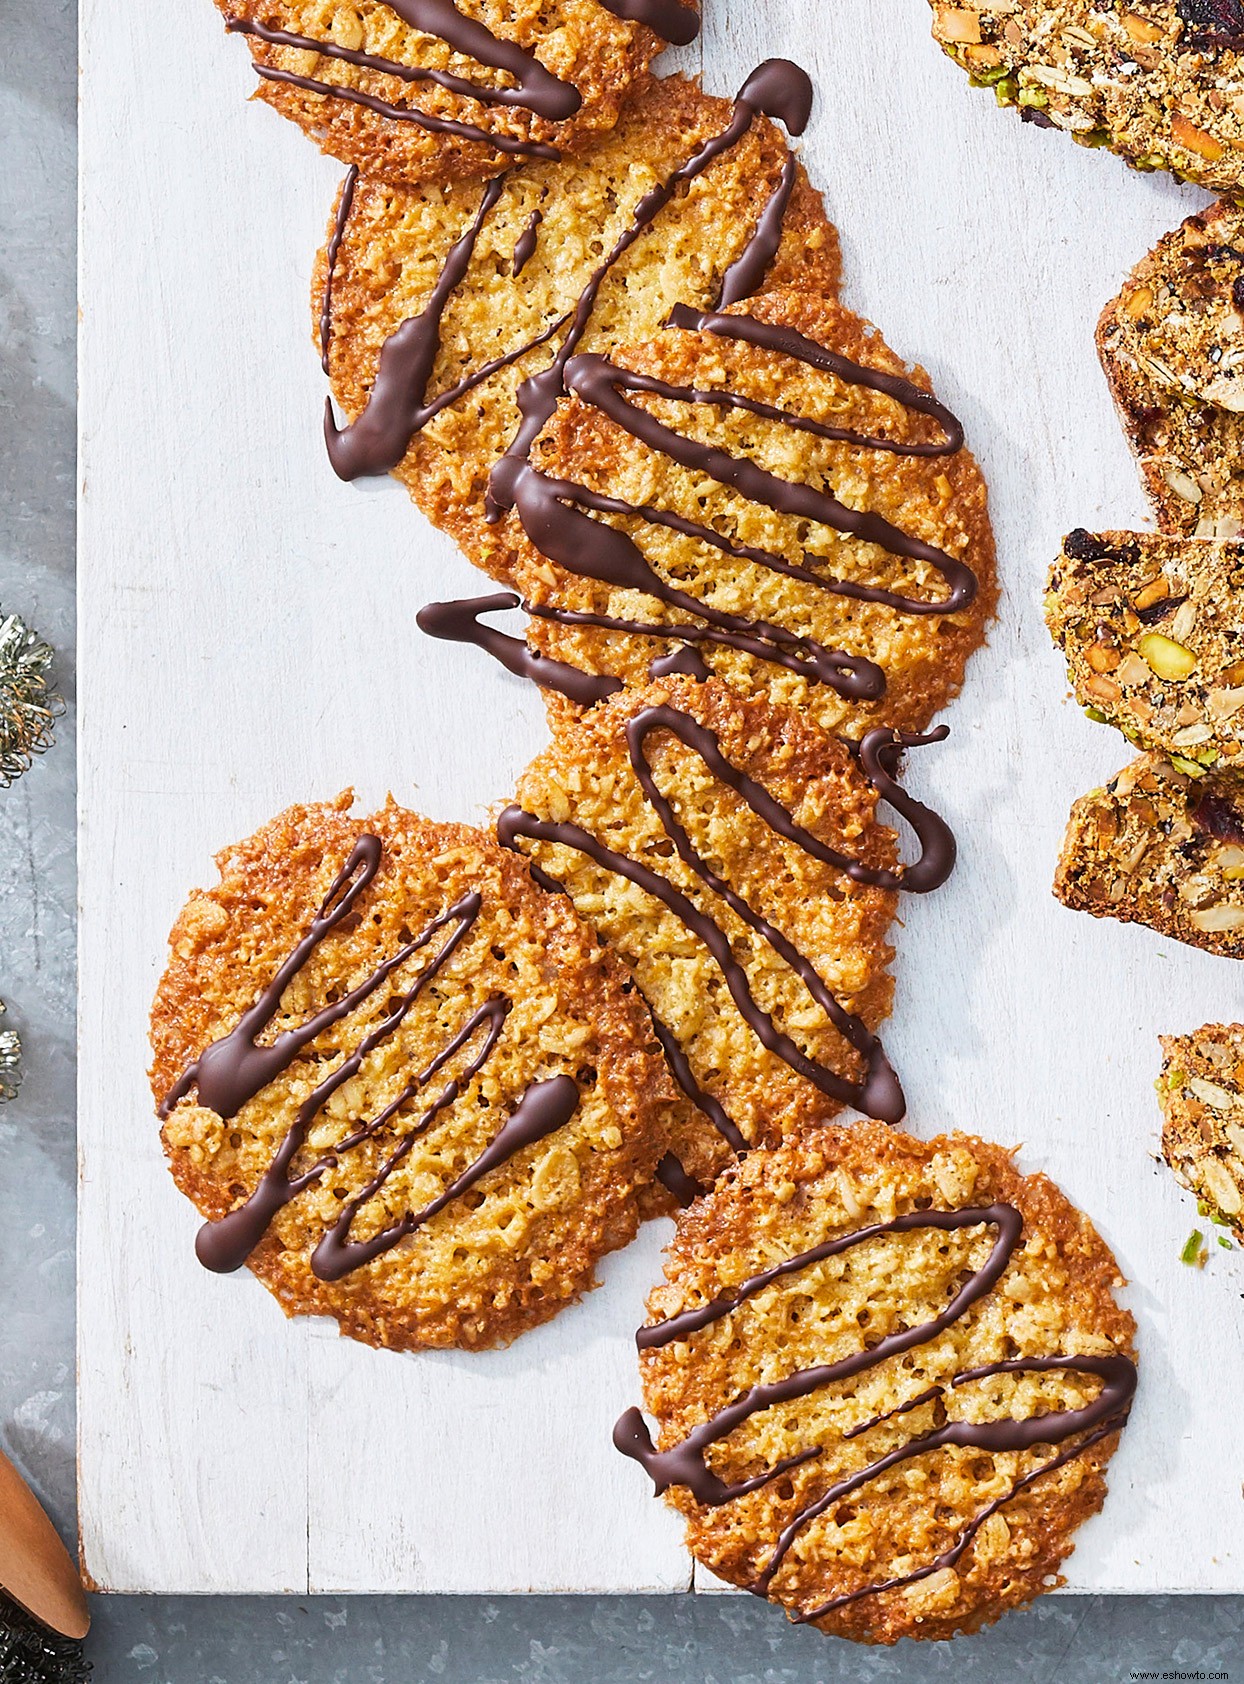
x: 402, y: 1082
x: 772, y: 494
x: 887, y: 1377
x: 712, y: 840
x: 441, y: 305
x: 435, y: 90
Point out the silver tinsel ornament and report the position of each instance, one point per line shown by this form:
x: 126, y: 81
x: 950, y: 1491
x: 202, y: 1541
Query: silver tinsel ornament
x: 10, y: 1062
x: 28, y: 706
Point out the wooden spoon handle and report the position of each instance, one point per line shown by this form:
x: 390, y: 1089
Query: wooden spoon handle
x: 35, y: 1569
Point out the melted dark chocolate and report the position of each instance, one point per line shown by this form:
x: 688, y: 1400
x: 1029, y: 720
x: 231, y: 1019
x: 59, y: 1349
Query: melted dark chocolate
x: 685, y: 1463
x: 670, y: 19
x: 746, y: 274
x: 674, y: 1178
x: 381, y: 435
x: 458, y: 622
x: 536, y: 88
x: 552, y: 517
x: 777, y: 89
x: 878, y: 1093
x: 789, y: 342
x: 345, y: 203
x: 1005, y: 1218
x: 680, y: 1067
x: 398, y: 406
x: 409, y: 114
x: 234, y: 1069
x: 525, y: 247
x: 544, y: 1108
x: 852, y: 675
x: 597, y: 551
x: 683, y: 658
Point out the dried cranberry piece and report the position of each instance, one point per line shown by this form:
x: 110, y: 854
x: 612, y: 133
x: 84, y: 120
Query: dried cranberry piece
x: 1216, y: 817
x: 1212, y: 23
x: 1085, y: 546
x: 1159, y: 610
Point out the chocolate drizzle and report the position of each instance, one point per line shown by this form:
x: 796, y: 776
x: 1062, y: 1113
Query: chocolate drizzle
x: 524, y: 249
x: 590, y: 549
x: 535, y: 87
x: 746, y: 274
x: 777, y: 89
x: 789, y: 342
x: 345, y: 204
x: 551, y: 509
x: 235, y: 1068
x: 398, y: 407
x: 673, y: 1176
x: 670, y: 19
x: 379, y: 438
x: 685, y: 1463
x: 454, y: 621
x: 878, y: 1093
x: 458, y: 622
x: 1005, y: 1218
x: 543, y: 1109
x: 408, y: 114
x: 684, y: 658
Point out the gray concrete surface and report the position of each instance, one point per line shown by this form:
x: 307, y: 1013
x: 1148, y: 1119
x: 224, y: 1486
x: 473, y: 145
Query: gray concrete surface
x: 270, y: 1641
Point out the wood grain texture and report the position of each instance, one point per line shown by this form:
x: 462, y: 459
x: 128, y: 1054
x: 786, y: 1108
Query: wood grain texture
x: 247, y: 638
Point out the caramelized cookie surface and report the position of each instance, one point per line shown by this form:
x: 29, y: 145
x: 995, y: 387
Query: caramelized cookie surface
x: 448, y: 314
x: 731, y: 855
x: 435, y: 90
x: 401, y: 1081
x: 886, y: 1376
x: 772, y: 496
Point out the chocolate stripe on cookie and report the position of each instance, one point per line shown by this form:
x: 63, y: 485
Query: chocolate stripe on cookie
x: 877, y: 751
x: 345, y: 204
x: 672, y: 21
x: 457, y: 622
x: 685, y: 1463
x: 536, y: 88
x: 398, y: 406
x: 878, y: 1094
x: 409, y: 114
x: 551, y: 509
x: 234, y: 1069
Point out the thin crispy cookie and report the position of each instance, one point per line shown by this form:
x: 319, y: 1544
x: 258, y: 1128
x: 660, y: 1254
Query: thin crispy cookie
x: 398, y: 91
x: 903, y: 1309
x: 527, y: 250
x: 815, y: 605
x: 459, y: 1181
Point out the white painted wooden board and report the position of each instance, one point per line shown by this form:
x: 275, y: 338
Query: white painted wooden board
x: 247, y: 639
